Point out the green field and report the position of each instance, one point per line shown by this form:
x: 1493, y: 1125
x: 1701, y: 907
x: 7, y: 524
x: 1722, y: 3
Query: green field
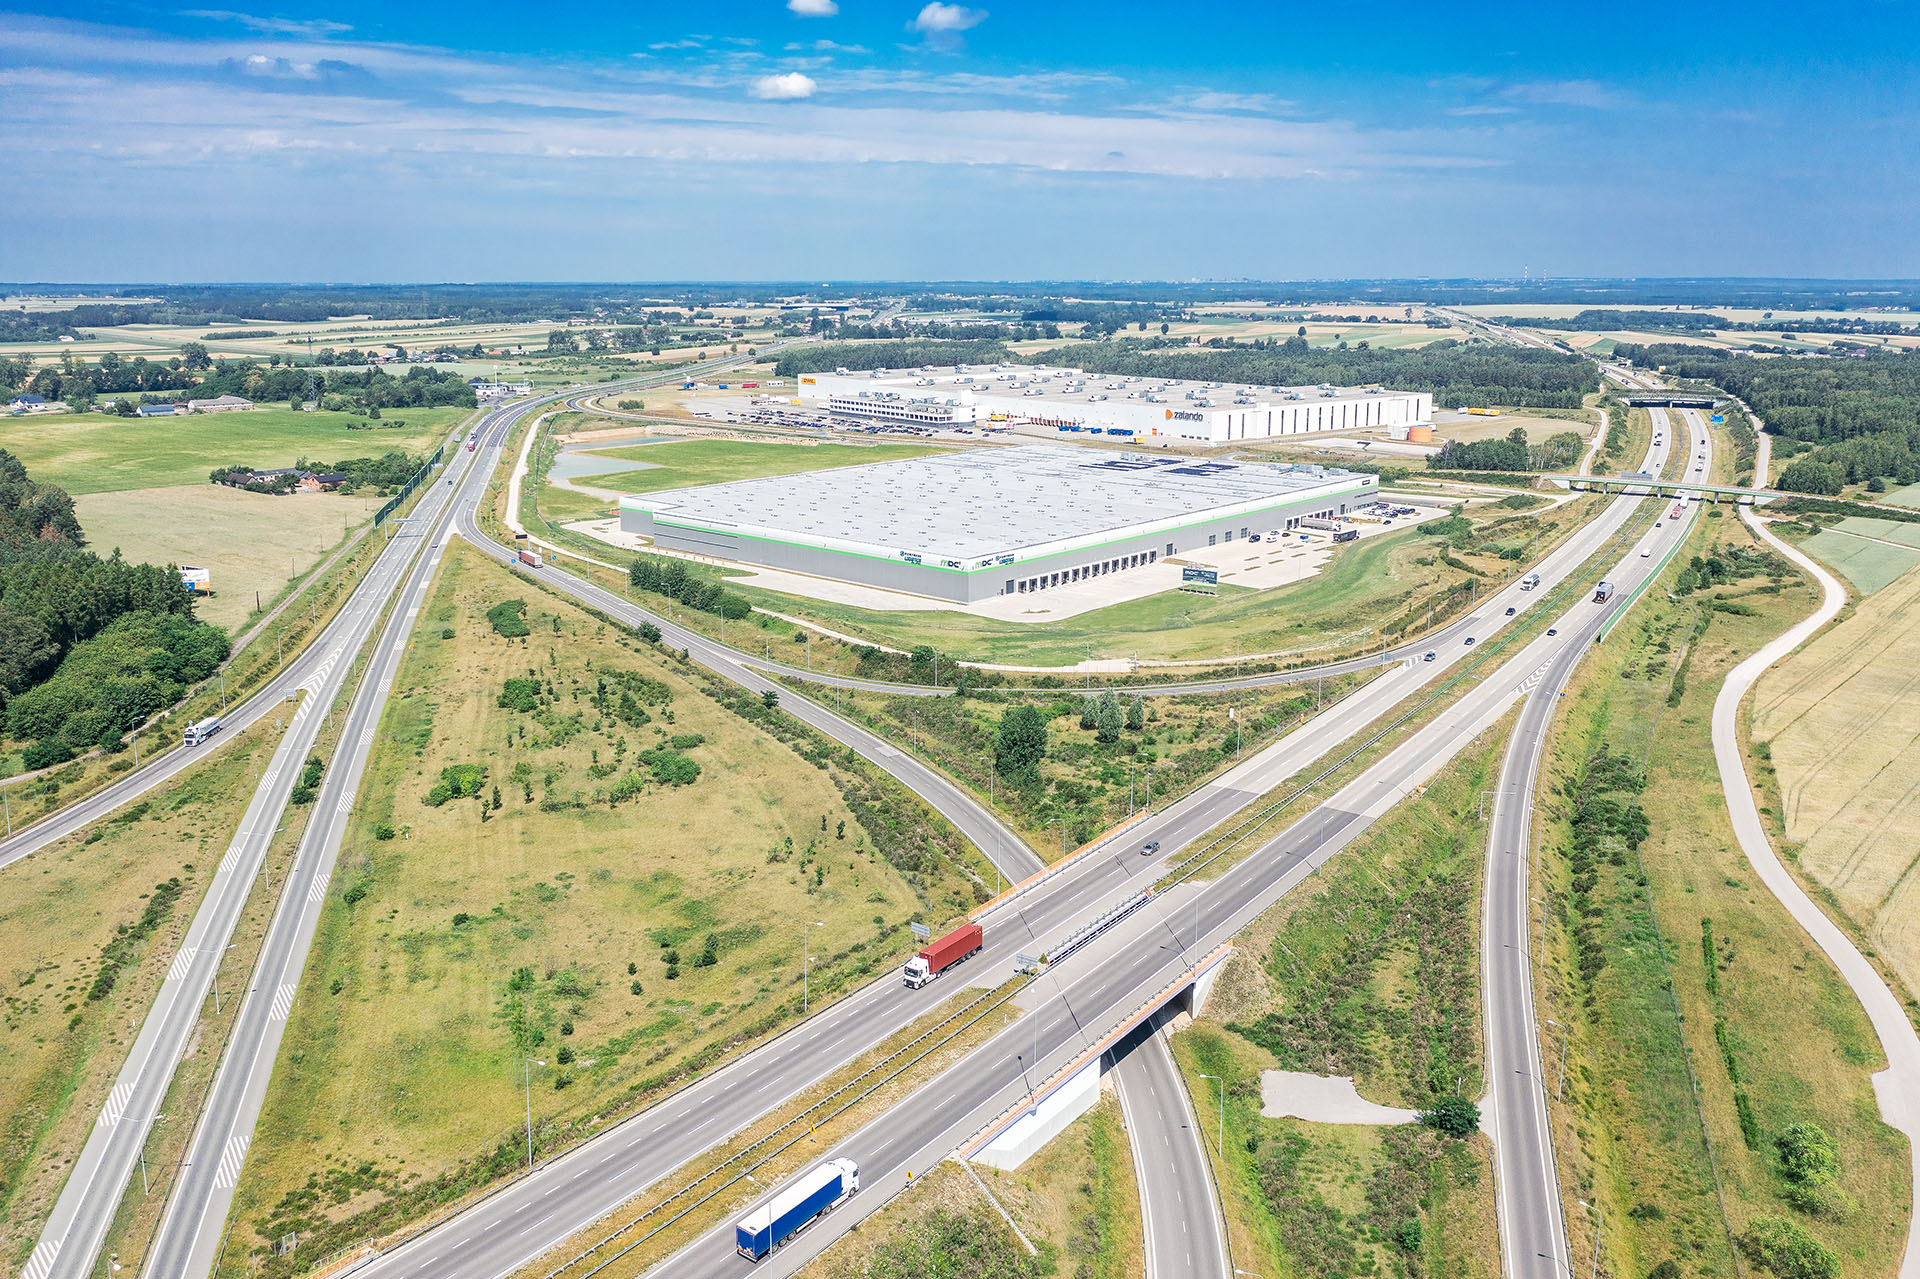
x: 685, y: 463
x: 98, y: 453
x: 611, y: 880
x: 1860, y: 550
x: 1703, y: 1022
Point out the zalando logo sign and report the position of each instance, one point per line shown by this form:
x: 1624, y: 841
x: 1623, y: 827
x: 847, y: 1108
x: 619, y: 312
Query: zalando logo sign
x: 1184, y: 417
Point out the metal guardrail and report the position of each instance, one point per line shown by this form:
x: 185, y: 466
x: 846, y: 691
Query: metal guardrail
x: 1080, y: 937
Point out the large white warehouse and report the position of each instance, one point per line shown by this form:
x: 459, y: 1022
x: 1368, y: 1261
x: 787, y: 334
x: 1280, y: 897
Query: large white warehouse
x: 1141, y: 409
x: 977, y: 523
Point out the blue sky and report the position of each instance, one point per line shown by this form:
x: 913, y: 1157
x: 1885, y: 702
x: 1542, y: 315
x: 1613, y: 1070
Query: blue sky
x: 793, y: 139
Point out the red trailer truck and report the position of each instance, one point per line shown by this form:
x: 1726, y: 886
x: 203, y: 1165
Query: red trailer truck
x: 530, y: 558
x: 938, y: 956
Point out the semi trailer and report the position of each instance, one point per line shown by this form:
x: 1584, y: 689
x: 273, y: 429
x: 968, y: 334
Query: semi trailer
x: 806, y: 1197
x: 938, y: 956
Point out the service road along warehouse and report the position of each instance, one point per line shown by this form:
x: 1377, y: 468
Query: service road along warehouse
x: 970, y: 525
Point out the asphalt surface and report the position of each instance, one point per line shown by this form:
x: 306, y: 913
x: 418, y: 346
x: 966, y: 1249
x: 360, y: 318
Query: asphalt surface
x: 70, y: 1240
x: 527, y: 1217
x: 1185, y: 1235
x: 87, y: 1200
x: 1533, y: 1239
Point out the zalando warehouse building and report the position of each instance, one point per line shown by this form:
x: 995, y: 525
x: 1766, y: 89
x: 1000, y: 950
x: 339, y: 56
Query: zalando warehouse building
x: 1155, y: 411
x: 976, y: 523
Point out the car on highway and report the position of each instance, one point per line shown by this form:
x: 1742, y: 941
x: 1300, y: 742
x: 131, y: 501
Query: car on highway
x: 1645, y: 551
x: 1470, y: 639
x: 1553, y: 630
x: 1510, y: 610
x: 1149, y: 848
x: 1430, y: 656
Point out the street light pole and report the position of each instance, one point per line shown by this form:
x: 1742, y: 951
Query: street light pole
x: 1220, y: 1142
x: 526, y: 1071
x: 805, y: 966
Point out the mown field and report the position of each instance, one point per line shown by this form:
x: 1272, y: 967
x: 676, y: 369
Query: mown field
x: 1704, y: 1026
x: 570, y: 847
x: 1836, y: 729
x: 88, y: 927
x: 685, y: 463
x: 1369, y: 969
x: 100, y: 453
x: 252, y: 543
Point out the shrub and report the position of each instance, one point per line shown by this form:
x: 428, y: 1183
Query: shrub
x: 520, y: 694
x: 1455, y: 1116
x: 383, y: 830
x: 649, y: 632
x: 509, y: 619
x: 1787, y: 1249
x: 457, y: 781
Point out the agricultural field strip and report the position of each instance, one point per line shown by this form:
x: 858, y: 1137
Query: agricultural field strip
x: 91, y: 1194
x: 1898, y: 1086
x: 190, y: 1228
x: 510, y: 1213
x: 1130, y: 965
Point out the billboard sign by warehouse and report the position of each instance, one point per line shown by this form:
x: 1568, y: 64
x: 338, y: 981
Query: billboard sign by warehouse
x: 1207, y: 575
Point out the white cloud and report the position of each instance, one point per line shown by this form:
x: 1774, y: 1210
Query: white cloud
x: 310, y: 27
x: 784, y: 88
x: 1565, y: 93
x: 813, y: 8
x: 943, y: 19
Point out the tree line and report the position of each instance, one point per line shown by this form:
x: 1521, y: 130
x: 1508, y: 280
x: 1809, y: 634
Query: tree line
x: 1841, y: 419
x: 1510, y: 454
x: 904, y: 354
x: 1456, y: 373
x: 88, y: 646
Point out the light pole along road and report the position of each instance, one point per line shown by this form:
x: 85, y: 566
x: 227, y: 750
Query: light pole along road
x: 1103, y: 985
x: 1533, y: 1239
x: 526, y: 1218
x: 82, y: 1213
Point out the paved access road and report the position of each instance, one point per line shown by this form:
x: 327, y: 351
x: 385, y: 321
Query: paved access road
x: 526, y: 1218
x: 1533, y: 1237
x: 1104, y: 984
x: 1185, y: 1234
x: 81, y: 1215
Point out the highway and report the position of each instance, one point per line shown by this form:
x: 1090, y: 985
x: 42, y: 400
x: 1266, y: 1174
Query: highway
x: 1533, y: 1239
x: 91, y: 1193
x: 1185, y: 1233
x: 527, y: 1217
x: 89, y: 1197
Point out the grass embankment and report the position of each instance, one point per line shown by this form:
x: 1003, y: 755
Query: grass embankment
x: 1085, y: 785
x: 571, y: 847
x: 1703, y: 1023
x: 88, y: 928
x: 1391, y: 585
x: 101, y: 453
x: 1371, y: 969
x: 1836, y: 744
x: 1077, y: 1200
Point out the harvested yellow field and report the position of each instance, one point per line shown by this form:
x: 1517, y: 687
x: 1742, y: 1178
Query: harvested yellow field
x: 253, y: 543
x: 1841, y: 723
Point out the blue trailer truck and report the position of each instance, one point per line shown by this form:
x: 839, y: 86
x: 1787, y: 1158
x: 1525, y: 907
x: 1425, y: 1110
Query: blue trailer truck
x: 810, y: 1194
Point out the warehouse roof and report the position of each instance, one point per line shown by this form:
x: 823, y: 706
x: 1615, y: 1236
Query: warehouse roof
x: 1070, y: 385
x: 961, y: 508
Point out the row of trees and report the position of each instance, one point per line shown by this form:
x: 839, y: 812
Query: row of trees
x: 1510, y: 454
x: 80, y: 383
x: 903, y: 354
x: 673, y: 579
x: 1456, y: 373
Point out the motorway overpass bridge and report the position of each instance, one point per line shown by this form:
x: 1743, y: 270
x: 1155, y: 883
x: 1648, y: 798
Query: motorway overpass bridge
x: 1671, y: 400
x: 1646, y: 485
